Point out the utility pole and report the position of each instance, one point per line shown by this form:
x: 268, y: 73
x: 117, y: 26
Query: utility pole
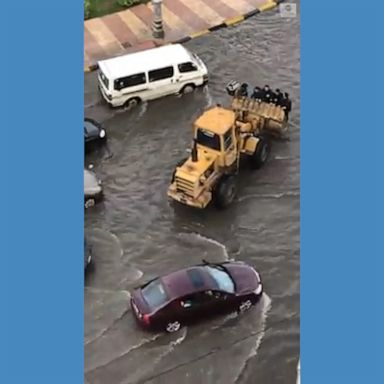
x: 157, y: 25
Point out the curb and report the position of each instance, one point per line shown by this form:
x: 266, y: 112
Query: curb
x: 226, y: 23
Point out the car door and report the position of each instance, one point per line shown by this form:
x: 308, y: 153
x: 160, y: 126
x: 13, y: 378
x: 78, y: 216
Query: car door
x: 224, y: 302
x: 194, y: 307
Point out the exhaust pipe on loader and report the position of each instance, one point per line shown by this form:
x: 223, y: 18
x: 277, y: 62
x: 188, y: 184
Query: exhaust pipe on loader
x: 194, y: 152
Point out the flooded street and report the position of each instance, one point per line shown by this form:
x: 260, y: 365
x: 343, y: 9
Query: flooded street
x: 136, y: 233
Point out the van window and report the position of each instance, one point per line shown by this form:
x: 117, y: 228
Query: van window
x: 130, y: 81
x: 160, y: 74
x: 187, y: 67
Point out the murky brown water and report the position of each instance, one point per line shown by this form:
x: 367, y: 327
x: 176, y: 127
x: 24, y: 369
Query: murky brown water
x: 136, y: 233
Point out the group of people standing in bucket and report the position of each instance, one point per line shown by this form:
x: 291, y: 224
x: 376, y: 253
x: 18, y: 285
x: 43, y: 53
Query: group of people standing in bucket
x: 267, y: 95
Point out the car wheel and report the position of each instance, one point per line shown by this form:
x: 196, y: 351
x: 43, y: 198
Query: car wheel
x: 173, y: 327
x: 244, y: 306
x: 189, y: 88
x: 89, y: 203
x: 133, y: 102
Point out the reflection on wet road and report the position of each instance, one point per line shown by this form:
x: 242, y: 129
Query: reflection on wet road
x: 137, y: 233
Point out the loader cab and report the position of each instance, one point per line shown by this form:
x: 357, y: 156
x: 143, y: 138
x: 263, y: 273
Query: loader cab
x: 214, y: 132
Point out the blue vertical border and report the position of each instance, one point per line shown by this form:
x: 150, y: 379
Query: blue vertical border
x: 341, y: 189
x: 41, y: 272
x: 42, y: 289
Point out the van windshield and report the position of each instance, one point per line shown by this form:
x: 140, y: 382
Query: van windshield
x: 104, y: 79
x: 196, y: 59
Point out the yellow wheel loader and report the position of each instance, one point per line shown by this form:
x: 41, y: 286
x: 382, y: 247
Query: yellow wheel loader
x: 221, y: 136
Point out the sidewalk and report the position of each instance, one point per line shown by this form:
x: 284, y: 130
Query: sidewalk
x: 130, y: 30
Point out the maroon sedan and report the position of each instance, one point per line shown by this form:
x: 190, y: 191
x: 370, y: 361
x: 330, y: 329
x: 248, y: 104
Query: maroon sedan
x: 185, y: 296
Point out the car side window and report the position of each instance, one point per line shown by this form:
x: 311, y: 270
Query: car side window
x: 160, y: 74
x: 194, y: 300
x: 217, y: 295
x: 130, y: 81
x: 187, y: 67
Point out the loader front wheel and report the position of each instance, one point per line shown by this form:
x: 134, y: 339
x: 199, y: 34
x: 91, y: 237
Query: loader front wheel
x: 261, y: 154
x: 225, y: 192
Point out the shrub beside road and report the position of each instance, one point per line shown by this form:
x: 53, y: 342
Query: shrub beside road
x: 97, y: 8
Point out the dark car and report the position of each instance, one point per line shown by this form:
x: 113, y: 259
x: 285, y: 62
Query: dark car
x: 204, y: 290
x: 87, y: 255
x: 94, y: 134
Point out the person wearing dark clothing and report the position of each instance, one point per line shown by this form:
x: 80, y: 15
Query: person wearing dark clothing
x: 286, y: 104
x: 267, y: 94
x: 272, y: 96
x: 257, y: 93
x: 278, y: 97
x: 244, y: 90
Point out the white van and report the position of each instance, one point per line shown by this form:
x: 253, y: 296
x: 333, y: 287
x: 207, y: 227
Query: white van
x: 170, y: 69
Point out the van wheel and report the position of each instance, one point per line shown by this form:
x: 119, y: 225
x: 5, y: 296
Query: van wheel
x: 188, y: 88
x: 133, y: 102
x: 261, y: 154
x: 224, y: 192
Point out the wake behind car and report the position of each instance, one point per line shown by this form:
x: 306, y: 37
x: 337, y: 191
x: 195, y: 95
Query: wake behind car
x: 205, y: 290
x: 94, y: 134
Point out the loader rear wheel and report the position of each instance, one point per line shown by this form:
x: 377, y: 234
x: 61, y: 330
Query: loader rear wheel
x: 225, y: 192
x: 261, y: 154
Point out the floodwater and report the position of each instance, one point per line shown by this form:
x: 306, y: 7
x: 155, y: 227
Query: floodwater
x: 136, y: 233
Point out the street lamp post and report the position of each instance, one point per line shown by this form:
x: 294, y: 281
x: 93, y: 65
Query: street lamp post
x: 157, y: 25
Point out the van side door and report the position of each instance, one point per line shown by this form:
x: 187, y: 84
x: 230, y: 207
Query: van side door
x: 161, y: 82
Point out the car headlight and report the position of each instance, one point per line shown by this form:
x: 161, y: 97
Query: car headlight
x: 259, y: 289
x: 102, y: 134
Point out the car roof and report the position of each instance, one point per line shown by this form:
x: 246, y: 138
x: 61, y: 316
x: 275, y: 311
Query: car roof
x: 187, y: 281
x: 216, y: 120
x: 146, y: 60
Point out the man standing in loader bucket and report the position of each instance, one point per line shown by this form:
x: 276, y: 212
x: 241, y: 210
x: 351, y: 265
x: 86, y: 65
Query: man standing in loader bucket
x: 222, y: 137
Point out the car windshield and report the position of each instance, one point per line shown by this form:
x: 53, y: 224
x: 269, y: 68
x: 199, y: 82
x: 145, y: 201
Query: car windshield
x: 223, y: 280
x: 154, y: 294
x: 208, y: 139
